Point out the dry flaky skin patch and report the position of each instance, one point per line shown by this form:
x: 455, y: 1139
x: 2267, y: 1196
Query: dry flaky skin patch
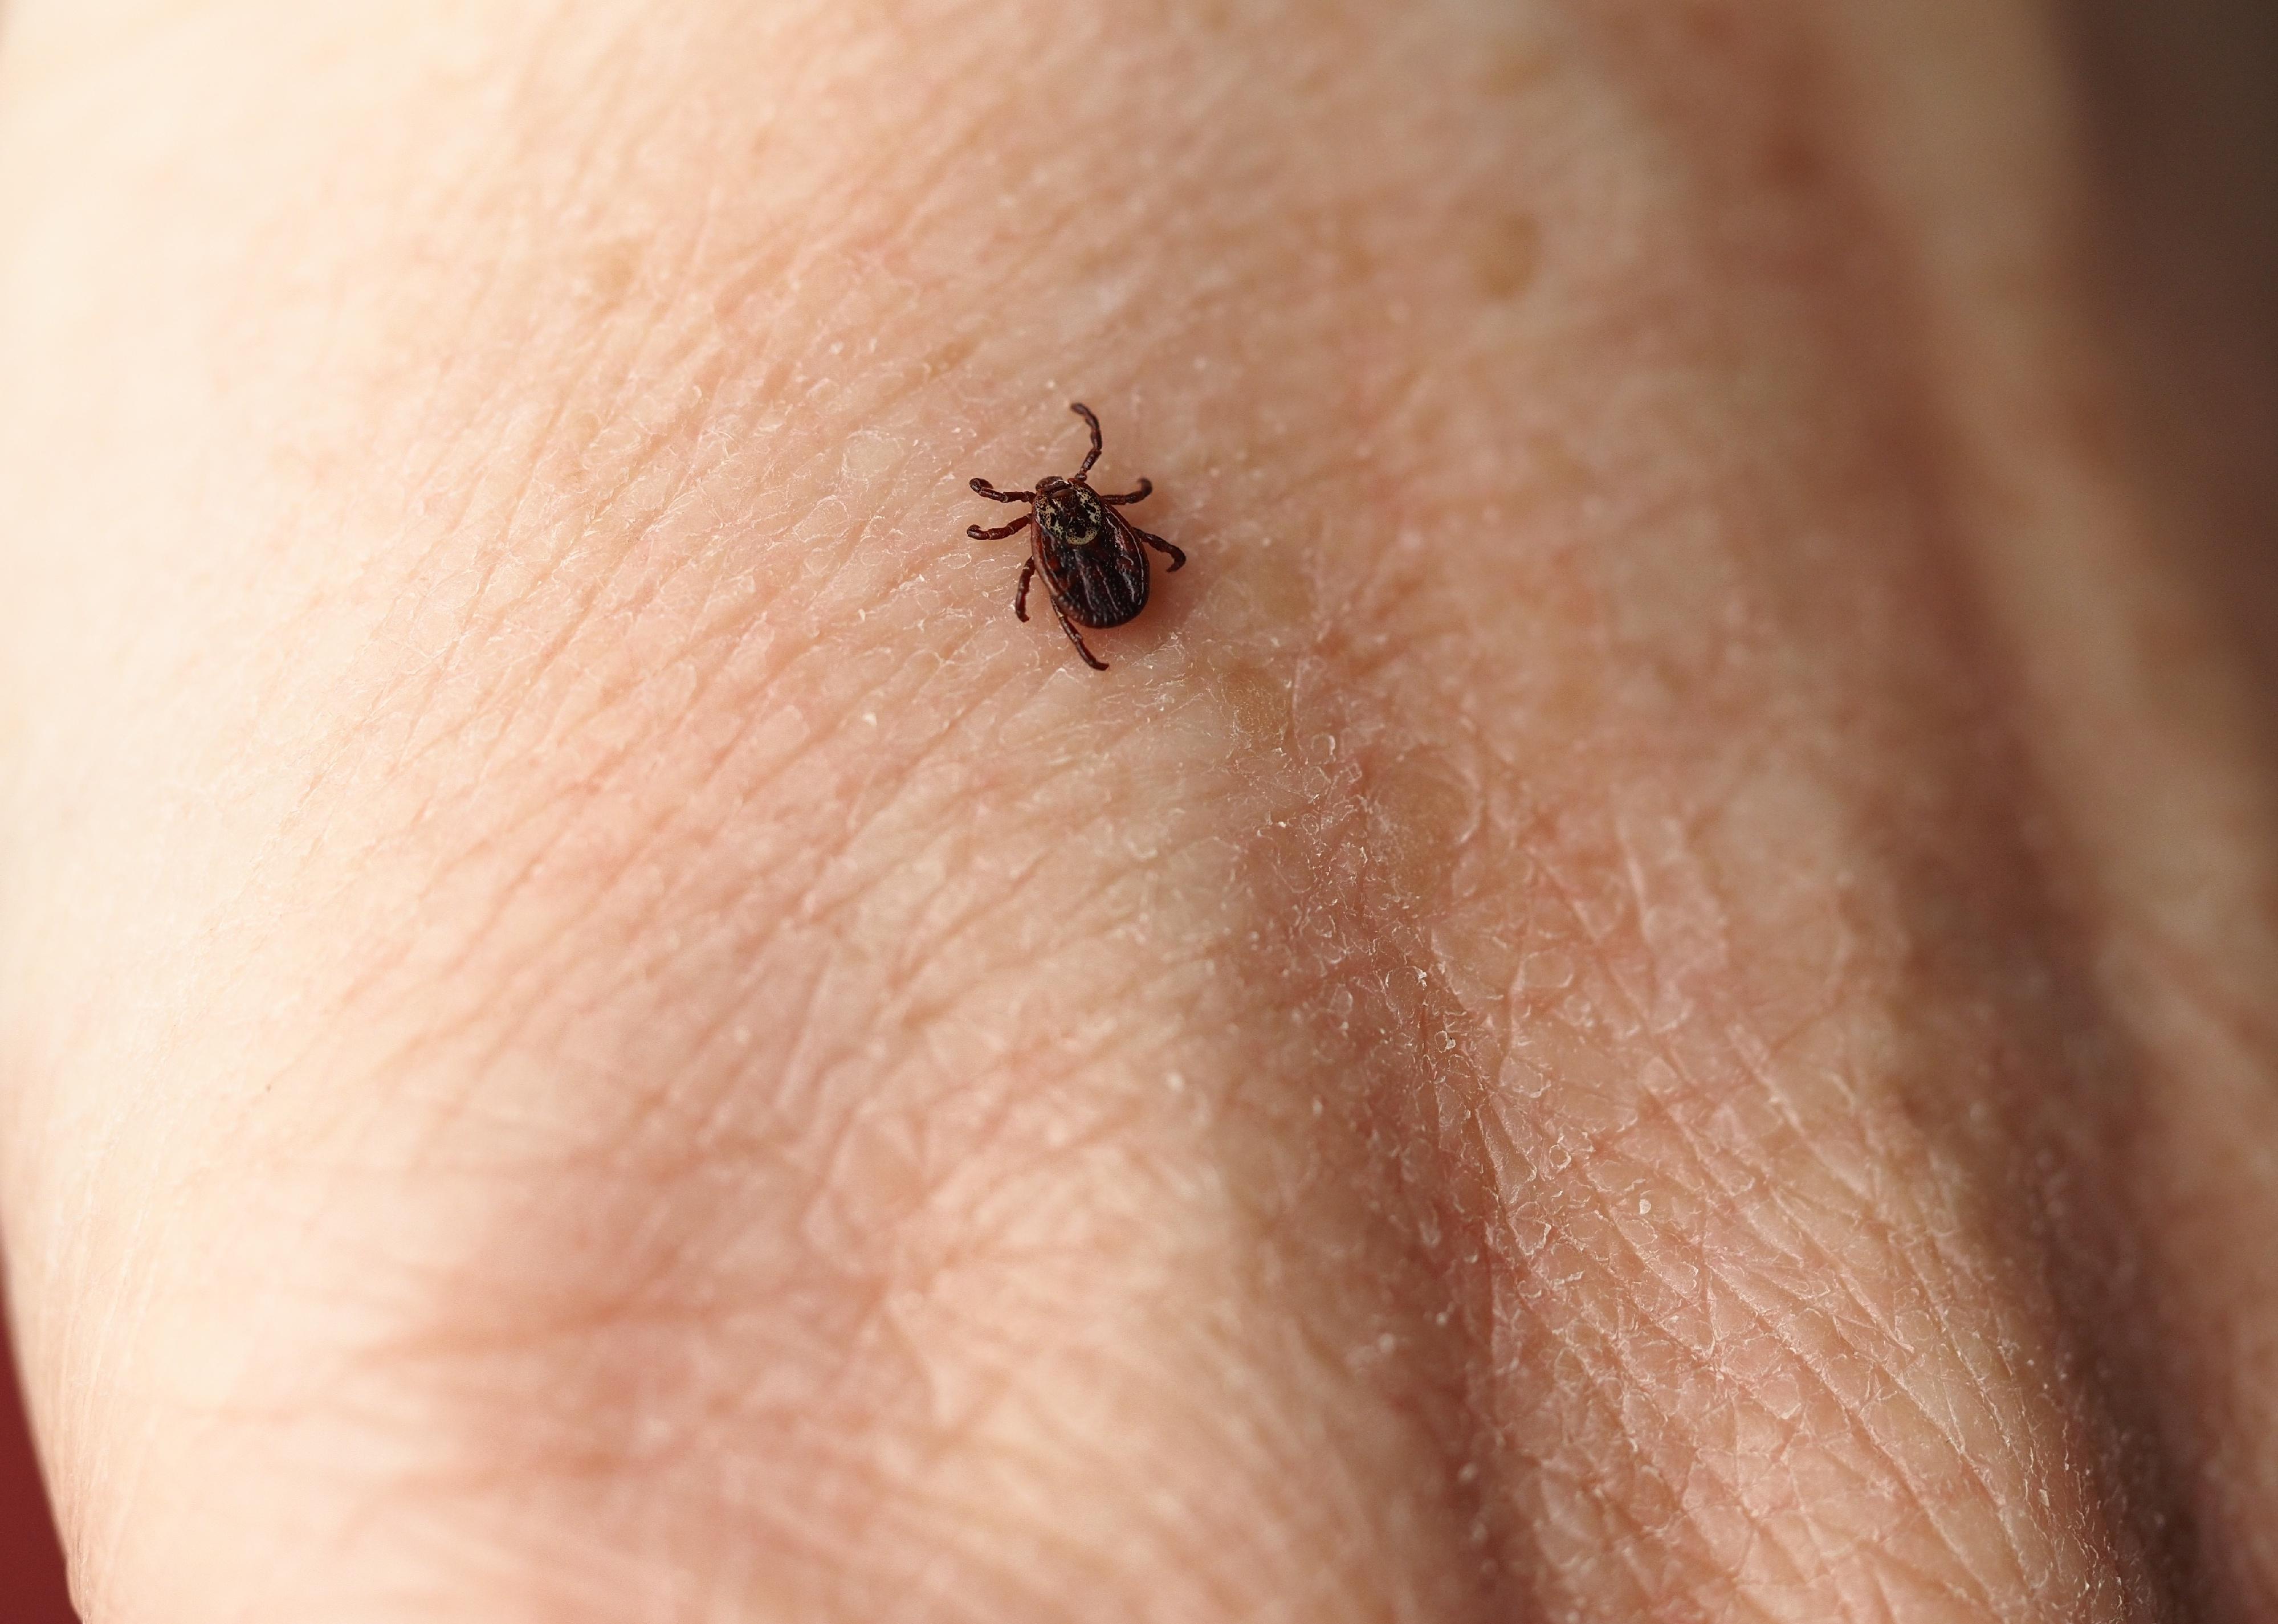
x: 592, y: 1031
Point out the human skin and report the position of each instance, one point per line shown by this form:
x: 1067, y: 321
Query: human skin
x: 1645, y: 993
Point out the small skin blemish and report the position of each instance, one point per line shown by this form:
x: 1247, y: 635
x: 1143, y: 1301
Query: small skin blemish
x: 610, y: 270
x: 867, y: 457
x: 1514, y: 68
x: 946, y: 358
x: 1260, y: 704
x: 1426, y: 812
x: 1508, y: 257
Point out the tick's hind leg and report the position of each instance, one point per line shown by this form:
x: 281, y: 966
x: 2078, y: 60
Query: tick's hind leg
x: 1178, y: 559
x: 1021, y: 598
x: 1076, y: 637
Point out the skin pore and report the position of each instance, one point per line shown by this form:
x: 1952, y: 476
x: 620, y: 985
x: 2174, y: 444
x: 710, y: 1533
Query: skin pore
x: 1643, y: 995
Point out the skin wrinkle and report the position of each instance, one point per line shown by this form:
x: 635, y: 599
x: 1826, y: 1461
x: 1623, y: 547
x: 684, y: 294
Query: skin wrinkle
x: 1368, y: 1058
x: 425, y: 811
x: 2126, y: 1361
x: 969, y: 1522
x: 534, y: 862
x: 1283, y: 868
x: 2178, y: 131
x: 688, y: 477
x: 1732, y: 1485
x: 498, y: 404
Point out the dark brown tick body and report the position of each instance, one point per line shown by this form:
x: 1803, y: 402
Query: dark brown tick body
x: 1091, y: 555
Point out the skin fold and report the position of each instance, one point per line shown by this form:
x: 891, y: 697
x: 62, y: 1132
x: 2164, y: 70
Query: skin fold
x: 1646, y: 995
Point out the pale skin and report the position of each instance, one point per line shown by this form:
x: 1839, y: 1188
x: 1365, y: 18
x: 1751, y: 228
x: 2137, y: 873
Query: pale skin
x: 1645, y: 994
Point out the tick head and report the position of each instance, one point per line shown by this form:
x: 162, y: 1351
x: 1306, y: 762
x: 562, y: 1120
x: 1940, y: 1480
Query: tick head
x: 1068, y: 513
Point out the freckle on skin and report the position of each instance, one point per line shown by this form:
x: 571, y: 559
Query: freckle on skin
x: 609, y: 272
x: 1508, y: 254
x: 1554, y: 473
x: 948, y: 357
x: 1515, y: 68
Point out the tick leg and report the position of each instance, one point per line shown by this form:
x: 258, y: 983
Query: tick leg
x: 995, y: 495
x: 1013, y: 529
x: 1021, y: 598
x: 1146, y: 489
x: 1178, y: 559
x: 1085, y: 412
x: 1068, y: 626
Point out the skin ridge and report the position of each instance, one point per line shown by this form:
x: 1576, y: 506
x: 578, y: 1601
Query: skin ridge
x: 1380, y: 1083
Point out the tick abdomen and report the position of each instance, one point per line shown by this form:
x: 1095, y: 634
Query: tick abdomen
x: 1098, y: 585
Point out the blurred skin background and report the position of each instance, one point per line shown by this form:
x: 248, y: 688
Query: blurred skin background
x: 2179, y: 169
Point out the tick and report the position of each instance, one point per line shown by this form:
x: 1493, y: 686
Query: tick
x: 1090, y: 555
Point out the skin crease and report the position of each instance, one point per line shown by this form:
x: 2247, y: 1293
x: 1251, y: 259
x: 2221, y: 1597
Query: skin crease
x: 1643, y: 996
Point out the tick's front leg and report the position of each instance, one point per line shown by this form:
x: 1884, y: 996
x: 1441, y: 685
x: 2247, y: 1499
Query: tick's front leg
x: 1146, y: 488
x: 984, y: 488
x: 1085, y: 412
x: 1013, y: 529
